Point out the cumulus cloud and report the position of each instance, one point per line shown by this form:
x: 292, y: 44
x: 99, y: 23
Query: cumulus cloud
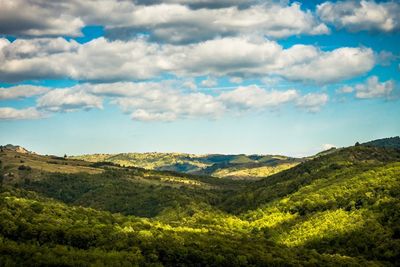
x: 176, y: 21
x: 38, y: 18
x: 361, y: 15
x: 104, y: 60
x: 385, y: 58
x: 327, y: 146
x: 147, y: 101
x: 312, y: 102
x: 150, y: 101
x: 200, y: 3
x: 327, y: 67
x: 372, y: 88
x: 253, y: 97
x: 20, y: 114
x: 345, y: 90
x: 67, y: 100
x: 21, y: 91
x: 237, y: 80
x: 190, y: 84
x: 97, y: 60
x: 239, y: 55
x: 209, y: 82
x: 167, y: 101
x: 253, y: 56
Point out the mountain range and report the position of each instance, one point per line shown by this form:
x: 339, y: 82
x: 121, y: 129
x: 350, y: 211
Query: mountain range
x: 340, y: 207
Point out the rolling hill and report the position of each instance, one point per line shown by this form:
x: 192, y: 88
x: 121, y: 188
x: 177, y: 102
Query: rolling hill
x: 222, y: 166
x: 391, y: 142
x: 340, y: 208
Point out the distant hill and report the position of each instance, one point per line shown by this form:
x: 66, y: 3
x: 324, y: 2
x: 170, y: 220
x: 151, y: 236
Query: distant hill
x: 339, y: 208
x: 391, y: 142
x: 18, y: 149
x: 233, y: 166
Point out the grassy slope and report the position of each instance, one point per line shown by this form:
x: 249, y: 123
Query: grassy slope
x: 41, y: 164
x: 244, y: 172
x: 345, y: 202
x: 72, y: 236
x: 131, y: 191
x: 237, y: 166
x: 339, y: 208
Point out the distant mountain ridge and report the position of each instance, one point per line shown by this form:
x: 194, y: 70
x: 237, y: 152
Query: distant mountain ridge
x: 391, y: 142
x: 339, y: 208
x: 234, y: 166
x: 15, y: 148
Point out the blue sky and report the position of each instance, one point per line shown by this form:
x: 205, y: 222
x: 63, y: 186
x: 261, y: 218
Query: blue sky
x: 254, y: 77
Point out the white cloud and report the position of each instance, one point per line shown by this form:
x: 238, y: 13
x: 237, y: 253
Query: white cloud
x: 97, y: 60
x: 209, y: 82
x: 345, y: 90
x: 200, y: 3
x: 104, y: 60
x: 190, y: 84
x: 20, y: 114
x: 327, y: 146
x: 270, y: 80
x: 168, y: 104
x: 254, y: 56
x: 176, y: 23
x: 239, y: 55
x: 385, y: 58
x: 38, y: 18
x: 361, y: 15
x: 155, y: 100
x: 166, y: 100
x: 237, y: 80
x: 312, y: 102
x: 40, y: 47
x: 150, y: 101
x: 253, y: 97
x: 21, y: 91
x: 67, y: 100
x: 327, y: 67
x: 173, y: 21
x: 144, y: 115
x: 372, y: 88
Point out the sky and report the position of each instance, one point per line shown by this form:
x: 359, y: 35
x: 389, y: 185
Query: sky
x: 198, y: 76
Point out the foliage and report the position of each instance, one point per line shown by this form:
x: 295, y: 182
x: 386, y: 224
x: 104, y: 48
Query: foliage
x: 340, y: 208
x: 238, y: 166
x: 391, y: 142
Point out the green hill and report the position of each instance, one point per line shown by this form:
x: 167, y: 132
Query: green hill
x: 340, y: 208
x: 232, y: 166
x: 391, y: 142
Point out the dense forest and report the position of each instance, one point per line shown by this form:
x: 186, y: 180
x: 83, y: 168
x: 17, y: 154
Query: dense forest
x: 340, y: 208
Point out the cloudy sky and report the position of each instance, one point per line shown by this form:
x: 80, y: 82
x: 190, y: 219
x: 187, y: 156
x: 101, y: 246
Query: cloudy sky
x: 198, y: 76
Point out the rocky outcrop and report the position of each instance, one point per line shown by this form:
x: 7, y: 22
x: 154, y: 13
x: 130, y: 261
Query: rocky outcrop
x: 18, y: 149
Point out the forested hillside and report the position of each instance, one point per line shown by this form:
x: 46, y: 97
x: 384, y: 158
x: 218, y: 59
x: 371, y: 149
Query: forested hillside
x: 222, y: 166
x: 391, y: 142
x: 340, y: 208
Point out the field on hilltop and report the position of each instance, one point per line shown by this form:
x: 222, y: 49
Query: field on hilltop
x: 339, y: 208
x: 233, y: 166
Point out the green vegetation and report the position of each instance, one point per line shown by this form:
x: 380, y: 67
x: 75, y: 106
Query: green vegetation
x: 255, y: 172
x: 340, y: 208
x: 391, y: 142
x: 232, y: 166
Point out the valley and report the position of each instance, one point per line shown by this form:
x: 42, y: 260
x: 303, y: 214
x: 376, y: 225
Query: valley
x: 337, y: 208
